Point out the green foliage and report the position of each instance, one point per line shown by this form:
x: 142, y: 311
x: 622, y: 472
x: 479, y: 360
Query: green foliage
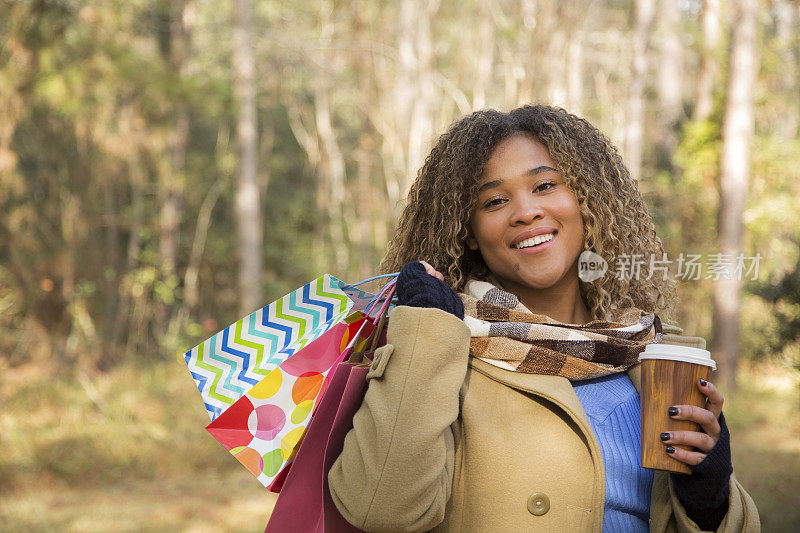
x: 698, y: 157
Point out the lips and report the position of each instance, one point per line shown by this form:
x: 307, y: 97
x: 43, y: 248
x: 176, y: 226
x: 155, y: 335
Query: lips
x: 530, y: 234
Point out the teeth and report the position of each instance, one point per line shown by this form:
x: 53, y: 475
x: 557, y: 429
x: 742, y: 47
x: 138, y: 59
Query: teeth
x: 539, y: 239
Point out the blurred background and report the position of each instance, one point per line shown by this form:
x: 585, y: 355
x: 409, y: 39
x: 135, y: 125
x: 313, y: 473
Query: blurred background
x: 167, y: 167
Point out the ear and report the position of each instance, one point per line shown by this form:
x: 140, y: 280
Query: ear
x: 472, y: 243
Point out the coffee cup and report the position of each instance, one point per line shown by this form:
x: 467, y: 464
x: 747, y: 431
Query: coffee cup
x: 670, y: 374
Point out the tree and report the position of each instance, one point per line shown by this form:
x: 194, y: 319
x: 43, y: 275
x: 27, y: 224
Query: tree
x: 634, y: 139
x: 707, y: 73
x: 249, y: 232
x: 670, y: 82
x: 737, y: 133
x: 172, y: 179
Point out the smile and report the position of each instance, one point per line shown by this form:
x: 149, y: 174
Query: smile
x: 534, y: 242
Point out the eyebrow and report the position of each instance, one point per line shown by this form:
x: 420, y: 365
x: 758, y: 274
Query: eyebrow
x: 531, y: 172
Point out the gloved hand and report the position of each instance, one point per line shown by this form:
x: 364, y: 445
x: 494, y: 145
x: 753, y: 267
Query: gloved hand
x: 418, y: 288
x: 704, y: 493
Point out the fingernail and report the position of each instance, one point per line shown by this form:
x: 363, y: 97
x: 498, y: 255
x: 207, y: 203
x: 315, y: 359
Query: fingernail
x: 670, y: 449
x: 703, y: 382
x: 672, y: 411
x: 664, y: 436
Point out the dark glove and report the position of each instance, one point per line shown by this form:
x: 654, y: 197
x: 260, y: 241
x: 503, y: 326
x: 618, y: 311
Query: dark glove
x: 417, y: 288
x: 704, y: 493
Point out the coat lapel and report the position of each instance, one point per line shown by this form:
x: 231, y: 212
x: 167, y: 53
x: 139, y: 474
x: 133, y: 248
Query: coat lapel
x: 635, y: 375
x: 554, y: 388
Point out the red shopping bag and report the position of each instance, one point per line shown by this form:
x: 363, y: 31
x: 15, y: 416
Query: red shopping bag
x: 305, y: 504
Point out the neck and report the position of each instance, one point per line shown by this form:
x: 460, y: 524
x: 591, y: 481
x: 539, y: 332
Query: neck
x: 570, y: 312
x: 561, y: 302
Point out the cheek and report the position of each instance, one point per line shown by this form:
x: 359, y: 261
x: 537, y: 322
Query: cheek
x: 571, y: 212
x: 482, y: 231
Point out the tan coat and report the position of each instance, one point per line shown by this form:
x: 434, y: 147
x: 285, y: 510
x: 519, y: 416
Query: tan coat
x: 449, y: 442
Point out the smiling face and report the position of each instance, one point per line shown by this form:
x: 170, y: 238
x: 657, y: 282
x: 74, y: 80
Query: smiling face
x: 523, y: 200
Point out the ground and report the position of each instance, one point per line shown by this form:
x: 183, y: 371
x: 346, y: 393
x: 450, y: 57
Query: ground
x: 126, y: 451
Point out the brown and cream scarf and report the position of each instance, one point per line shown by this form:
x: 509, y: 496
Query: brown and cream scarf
x: 506, y: 334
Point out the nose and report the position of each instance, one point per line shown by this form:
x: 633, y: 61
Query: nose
x: 525, y: 211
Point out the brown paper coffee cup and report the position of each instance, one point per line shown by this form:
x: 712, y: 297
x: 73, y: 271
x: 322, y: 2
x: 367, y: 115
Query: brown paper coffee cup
x: 669, y: 377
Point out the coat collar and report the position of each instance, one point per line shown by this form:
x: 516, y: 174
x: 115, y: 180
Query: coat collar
x: 557, y: 389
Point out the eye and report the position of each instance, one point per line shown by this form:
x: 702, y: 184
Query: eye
x: 547, y: 185
x: 494, y: 202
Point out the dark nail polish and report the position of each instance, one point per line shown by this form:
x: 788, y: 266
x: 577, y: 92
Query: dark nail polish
x: 664, y: 436
x: 672, y: 411
x: 703, y: 382
x: 670, y: 449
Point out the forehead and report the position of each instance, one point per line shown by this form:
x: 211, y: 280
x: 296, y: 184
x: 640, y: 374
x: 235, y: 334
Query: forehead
x: 516, y: 155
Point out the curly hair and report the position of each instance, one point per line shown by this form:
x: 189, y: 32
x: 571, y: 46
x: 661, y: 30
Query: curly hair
x: 435, y: 223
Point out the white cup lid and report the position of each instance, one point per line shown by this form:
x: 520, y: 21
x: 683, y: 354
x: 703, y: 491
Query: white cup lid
x: 674, y: 352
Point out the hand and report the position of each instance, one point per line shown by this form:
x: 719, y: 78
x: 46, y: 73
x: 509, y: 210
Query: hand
x: 707, y: 418
x: 432, y: 271
x: 421, y: 285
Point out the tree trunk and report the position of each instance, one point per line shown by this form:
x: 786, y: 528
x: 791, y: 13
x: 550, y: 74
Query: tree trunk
x: 524, y: 68
x: 410, y: 101
x: 645, y: 10
x: 111, y: 209
x: 575, y: 73
x: 554, y: 64
x: 249, y: 233
x: 485, y: 55
x: 172, y: 179
x: 735, y: 174
x: 366, y: 199
x: 332, y: 177
x: 670, y: 84
x: 707, y: 73
x: 786, y: 15
x: 137, y: 183
x: 420, y: 131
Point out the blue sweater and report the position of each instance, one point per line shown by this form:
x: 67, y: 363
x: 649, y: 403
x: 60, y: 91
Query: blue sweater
x: 612, y: 406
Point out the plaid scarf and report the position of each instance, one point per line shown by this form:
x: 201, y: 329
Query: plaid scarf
x: 506, y: 334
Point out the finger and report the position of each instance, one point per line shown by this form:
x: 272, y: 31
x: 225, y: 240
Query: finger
x: 701, y: 441
x: 715, y: 399
x: 685, y: 456
x: 432, y: 271
x: 704, y: 417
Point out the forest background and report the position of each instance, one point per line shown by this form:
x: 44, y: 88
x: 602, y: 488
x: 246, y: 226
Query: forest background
x: 167, y: 167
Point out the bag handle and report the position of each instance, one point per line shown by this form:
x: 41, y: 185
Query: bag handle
x: 377, y: 332
x: 356, y: 284
x: 374, y: 303
x: 377, y: 298
x: 384, y: 316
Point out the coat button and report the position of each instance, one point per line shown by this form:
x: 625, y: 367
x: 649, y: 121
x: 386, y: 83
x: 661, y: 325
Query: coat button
x: 538, y: 503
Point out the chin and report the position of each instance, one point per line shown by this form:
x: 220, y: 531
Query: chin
x: 536, y: 284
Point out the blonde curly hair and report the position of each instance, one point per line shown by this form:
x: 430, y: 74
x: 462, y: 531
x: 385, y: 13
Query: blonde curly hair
x: 435, y: 223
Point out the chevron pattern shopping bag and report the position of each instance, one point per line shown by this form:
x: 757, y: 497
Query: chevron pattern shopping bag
x: 233, y: 361
x: 264, y: 428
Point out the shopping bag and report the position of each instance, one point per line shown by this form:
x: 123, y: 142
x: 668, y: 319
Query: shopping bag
x: 260, y: 378
x: 265, y: 427
x: 305, y: 504
x: 233, y: 361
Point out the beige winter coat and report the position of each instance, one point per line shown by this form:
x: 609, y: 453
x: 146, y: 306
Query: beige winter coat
x: 449, y: 442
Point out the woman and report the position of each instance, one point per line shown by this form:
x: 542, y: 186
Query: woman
x: 513, y: 405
